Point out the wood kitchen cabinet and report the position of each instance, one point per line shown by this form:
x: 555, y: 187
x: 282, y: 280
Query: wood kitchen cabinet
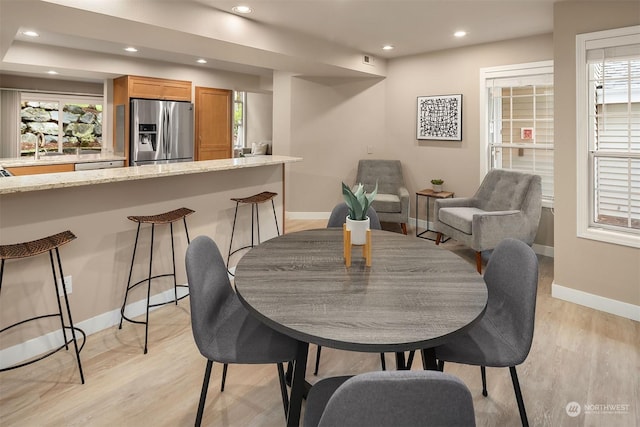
x: 39, y: 169
x: 127, y: 87
x: 152, y: 88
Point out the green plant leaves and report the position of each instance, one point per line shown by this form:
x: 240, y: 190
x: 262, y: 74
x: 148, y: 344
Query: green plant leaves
x: 358, y: 201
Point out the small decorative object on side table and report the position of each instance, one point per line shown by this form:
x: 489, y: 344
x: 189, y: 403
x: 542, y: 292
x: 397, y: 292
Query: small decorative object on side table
x: 429, y: 193
x: 437, y: 185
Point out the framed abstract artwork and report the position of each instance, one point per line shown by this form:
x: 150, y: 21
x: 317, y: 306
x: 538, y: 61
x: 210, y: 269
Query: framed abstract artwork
x: 440, y: 117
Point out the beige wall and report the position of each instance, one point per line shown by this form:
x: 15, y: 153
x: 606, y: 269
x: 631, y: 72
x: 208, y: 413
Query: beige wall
x: 333, y: 123
x: 601, y: 269
x: 259, y: 117
x: 454, y: 71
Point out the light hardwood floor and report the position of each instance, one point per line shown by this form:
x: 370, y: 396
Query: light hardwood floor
x: 578, y: 355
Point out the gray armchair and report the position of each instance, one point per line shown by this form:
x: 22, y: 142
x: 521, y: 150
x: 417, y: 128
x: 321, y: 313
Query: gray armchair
x: 392, y: 201
x: 507, y: 204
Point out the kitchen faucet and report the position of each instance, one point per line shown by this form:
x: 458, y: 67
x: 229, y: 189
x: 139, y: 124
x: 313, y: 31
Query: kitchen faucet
x: 39, y: 143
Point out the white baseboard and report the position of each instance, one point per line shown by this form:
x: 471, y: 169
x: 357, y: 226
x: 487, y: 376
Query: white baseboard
x: 31, y: 348
x: 543, y: 250
x: 307, y: 215
x: 597, y: 302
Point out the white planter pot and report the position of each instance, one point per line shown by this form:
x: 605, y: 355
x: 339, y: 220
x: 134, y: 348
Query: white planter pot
x: 358, y: 230
x: 437, y: 188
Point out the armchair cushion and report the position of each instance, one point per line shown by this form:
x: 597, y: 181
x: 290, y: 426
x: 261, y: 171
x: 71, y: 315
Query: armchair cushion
x: 387, y: 203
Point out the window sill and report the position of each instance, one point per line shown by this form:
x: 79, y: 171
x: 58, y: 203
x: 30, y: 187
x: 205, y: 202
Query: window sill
x: 609, y: 236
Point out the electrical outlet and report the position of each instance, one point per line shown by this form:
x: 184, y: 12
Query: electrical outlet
x: 369, y: 149
x: 68, y: 285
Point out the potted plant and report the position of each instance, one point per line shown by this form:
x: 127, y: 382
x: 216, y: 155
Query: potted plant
x: 358, y: 203
x: 437, y: 185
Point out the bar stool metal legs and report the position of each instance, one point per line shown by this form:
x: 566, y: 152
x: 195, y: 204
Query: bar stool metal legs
x: 254, y: 200
x: 165, y: 218
x: 28, y: 249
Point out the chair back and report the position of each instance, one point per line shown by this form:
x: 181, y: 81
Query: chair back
x: 400, y: 398
x: 209, y: 289
x: 341, y: 210
x: 512, y: 282
x: 504, y: 190
x: 387, y: 173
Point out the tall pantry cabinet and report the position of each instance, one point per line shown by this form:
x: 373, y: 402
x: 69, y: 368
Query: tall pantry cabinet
x: 213, y: 113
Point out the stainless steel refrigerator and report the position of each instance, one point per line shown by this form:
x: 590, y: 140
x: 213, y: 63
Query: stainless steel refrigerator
x: 161, y: 132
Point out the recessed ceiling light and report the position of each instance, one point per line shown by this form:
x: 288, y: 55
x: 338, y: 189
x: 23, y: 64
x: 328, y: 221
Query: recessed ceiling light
x: 388, y: 47
x: 241, y: 9
x: 52, y: 72
x: 30, y: 33
x: 201, y: 61
x: 460, y: 33
x: 130, y: 49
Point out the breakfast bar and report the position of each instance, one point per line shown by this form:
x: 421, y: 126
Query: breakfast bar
x: 94, y: 205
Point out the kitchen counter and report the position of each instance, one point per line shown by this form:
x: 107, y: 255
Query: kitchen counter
x: 94, y: 205
x: 58, y: 159
x: 18, y: 184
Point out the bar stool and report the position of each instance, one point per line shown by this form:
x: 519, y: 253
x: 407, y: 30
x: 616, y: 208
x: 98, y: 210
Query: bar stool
x: 164, y: 218
x: 33, y: 248
x: 254, y: 200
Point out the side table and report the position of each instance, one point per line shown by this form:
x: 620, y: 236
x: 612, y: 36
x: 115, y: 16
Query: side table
x: 429, y: 193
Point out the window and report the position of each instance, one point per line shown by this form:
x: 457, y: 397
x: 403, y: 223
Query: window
x: 62, y: 123
x: 608, y: 135
x: 517, y: 103
x: 239, y: 116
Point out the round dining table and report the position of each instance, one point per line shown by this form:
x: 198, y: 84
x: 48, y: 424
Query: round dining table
x: 415, y: 295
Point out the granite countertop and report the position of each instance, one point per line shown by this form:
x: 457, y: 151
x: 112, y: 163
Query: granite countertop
x: 59, y: 159
x: 19, y: 184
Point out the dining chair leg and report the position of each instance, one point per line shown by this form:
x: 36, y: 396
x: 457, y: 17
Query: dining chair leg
x: 483, y: 373
x: 283, y: 389
x: 516, y: 389
x: 429, y: 361
x: 479, y: 261
x: 383, y: 362
x: 315, y: 372
x: 224, y: 377
x: 412, y: 354
x: 203, y: 393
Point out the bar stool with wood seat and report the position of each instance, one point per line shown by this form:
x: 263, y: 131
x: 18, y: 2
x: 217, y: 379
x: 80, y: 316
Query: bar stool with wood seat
x: 254, y: 200
x: 164, y: 218
x: 36, y: 247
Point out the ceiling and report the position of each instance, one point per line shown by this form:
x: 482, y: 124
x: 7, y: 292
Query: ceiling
x: 305, y: 36
x: 412, y: 26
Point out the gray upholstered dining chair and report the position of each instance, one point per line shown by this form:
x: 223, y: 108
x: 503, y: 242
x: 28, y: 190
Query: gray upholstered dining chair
x: 507, y: 204
x: 341, y: 210
x: 336, y: 219
x: 392, y: 398
x: 503, y: 336
x: 223, y: 329
x: 392, y: 201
